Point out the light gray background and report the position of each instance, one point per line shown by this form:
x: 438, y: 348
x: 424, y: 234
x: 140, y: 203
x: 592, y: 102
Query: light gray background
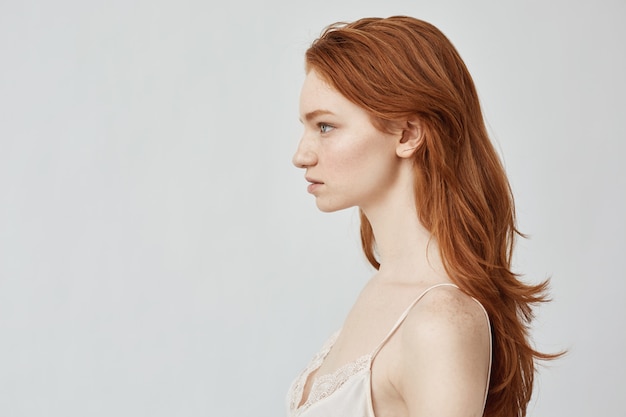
x: 159, y: 255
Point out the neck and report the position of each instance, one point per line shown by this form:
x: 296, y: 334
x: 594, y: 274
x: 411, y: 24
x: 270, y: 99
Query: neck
x: 407, y: 252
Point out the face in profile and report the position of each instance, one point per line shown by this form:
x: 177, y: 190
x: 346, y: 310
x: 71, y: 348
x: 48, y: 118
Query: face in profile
x: 348, y: 161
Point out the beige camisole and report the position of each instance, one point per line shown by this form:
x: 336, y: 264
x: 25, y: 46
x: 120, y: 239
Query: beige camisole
x: 347, y: 391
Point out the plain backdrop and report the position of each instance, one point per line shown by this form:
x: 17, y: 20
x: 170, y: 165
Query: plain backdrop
x: 159, y: 255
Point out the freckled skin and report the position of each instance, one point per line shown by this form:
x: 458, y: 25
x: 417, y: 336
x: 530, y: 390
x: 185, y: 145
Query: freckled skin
x: 342, y: 149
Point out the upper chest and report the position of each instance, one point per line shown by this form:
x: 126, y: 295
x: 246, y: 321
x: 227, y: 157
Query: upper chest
x: 368, y: 329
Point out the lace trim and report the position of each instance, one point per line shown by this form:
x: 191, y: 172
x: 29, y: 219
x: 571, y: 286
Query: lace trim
x: 323, y: 385
x: 297, y: 388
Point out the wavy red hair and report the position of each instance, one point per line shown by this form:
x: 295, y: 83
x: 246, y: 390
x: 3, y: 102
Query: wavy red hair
x: 399, y: 68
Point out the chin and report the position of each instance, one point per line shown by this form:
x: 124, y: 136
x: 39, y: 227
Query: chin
x: 327, y: 210
x: 325, y: 207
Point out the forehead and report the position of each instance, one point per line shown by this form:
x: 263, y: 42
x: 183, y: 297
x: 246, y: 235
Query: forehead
x: 317, y: 94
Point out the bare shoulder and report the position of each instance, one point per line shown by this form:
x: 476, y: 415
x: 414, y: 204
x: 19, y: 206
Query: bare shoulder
x: 444, y: 346
x: 448, y: 312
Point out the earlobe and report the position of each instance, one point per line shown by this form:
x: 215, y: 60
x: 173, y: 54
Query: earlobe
x: 411, y: 138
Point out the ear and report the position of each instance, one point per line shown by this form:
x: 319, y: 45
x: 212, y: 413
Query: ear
x: 412, y: 135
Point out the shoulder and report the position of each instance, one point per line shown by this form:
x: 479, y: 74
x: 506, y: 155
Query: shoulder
x: 445, y: 311
x: 444, y: 346
x: 446, y: 319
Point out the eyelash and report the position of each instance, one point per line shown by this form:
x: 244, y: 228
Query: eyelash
x: 324, y: 127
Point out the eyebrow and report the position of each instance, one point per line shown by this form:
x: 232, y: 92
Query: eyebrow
x: 316, y: 113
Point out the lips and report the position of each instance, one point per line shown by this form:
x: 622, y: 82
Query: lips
x: 313, y: 180
x: 314, y: 184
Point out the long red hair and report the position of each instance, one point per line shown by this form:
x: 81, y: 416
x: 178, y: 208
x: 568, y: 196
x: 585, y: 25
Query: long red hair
x: 399, y: 68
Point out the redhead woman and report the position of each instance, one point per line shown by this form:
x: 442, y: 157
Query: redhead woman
x: 393, y: 126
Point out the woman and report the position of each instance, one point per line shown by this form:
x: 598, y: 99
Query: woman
x: 393, y: 125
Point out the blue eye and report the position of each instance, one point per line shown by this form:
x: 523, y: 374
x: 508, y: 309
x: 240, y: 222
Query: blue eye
x: 324, y: 128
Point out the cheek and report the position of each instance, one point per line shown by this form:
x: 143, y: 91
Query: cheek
x: 373, y: 155
x: 352, y: 164
x: 362, y: 155
x: 344, y: 156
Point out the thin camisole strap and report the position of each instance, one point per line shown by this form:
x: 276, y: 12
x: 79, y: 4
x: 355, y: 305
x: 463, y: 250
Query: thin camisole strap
x: 406, y: 313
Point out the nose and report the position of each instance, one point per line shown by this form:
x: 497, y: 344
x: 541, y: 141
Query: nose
x: 305, y: 156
